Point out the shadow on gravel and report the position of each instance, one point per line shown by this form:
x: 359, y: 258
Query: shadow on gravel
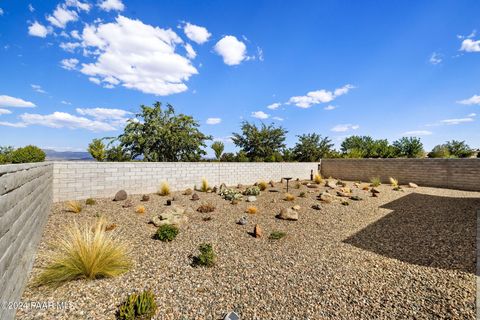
x: 425, y: 230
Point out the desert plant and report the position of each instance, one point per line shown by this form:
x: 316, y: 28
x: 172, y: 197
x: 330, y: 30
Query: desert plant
x: 166, y: 232
x: 275, y: 235
x: 289, y: 197
x: 393, y: 182
x: 27, y: 154
x: 375, y: 182
x: 164, y: 189
x: 140, y: 209
x: 317, y: 178
x: 90, y: 202
x: 138, y: 306
x: 252, y: 191
x: 231, y: 194
x: 217, y: 147
x: 204, y: 186
x: 251, y: 210
x: 262, y: 185
x: 97, y: 150
x: 207, y: 256
x: 302, y: 194
x: 85, y: 253
x: 74, y: 206
x: 206, y: 208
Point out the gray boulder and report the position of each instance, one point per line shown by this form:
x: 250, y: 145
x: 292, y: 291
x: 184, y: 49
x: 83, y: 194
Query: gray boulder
x: 288, y: 214
x: 120, y: 195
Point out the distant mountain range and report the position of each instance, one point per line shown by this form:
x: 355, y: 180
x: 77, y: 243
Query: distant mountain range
x: 67, y: 155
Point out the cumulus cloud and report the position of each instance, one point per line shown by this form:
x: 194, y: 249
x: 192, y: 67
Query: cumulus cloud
x: 13, y: 124
x: 65, y: 120
x: 5, y: 111
x: 456, y: 121
x: 196, y: 33
x: 109, y: 5
x: 435, y: 58
x: 213, y: 120
x: 8, y: 101
x: 61, y: 16
x: 31, y: 8
x: 37, y: 88
x: 190, y: 52
x: 260, y: 115
x: 65, y: 102
x: 469, y: 45
x: 38, y: 30
x: 330, y: 107
x: 274, y: 106
x: 137, y: 56
x: 417, y: 133
x: 475, y: 99
x: 232, y: 50
x: 319, y: 96
x: 227, y: 139
x: 345, y: 127
x: 69, y: 64
x: 69, y: 46
x: 278, y: 118
x: 103, y: 113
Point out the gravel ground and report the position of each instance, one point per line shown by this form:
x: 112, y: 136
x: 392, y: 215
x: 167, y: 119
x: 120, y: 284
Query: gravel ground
x: 401, y: 255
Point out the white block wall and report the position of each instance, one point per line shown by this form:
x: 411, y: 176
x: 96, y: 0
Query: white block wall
x: 81, y: 180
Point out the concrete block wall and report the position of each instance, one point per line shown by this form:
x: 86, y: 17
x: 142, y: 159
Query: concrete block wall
x: 462, y: 174
x: 25, y: 200
x: 81, y: 180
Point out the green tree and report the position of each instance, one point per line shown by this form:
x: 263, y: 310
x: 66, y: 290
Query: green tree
x: 241, y: 156
x: 218, y: 148
x: 97, y: 149
x: 366, y: 147
x: 162, y: 135
x: 439, y: 151
x: 312, y: 147
x: 6, y: 154
x: 408, y: 147
x: 27, y: 154
x: 227, y: 157
x: 260, y: 143
x: 459, y: 149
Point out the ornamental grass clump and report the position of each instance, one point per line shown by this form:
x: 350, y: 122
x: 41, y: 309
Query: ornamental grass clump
x: 204, y: 186
x: 206, y: 208
x: 375, y: 182
x: 138, y: 306
x: 207, y: 256
x: 90, y: 202
x: 276, y: 235
x: 289, y: 197
x: 166, y: 232
x: 317, y: 178
x: 74, y: 206
x: 262, y: 185
x: 83, y: 253
x: 164, y: 189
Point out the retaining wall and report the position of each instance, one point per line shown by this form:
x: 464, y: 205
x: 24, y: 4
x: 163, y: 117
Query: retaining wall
x: 462, y: 174
x: 81, y: 180
x: 25, y: 200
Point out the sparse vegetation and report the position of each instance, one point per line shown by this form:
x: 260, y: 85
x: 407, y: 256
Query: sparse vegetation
x: 276, y: 235
x: 207, y: 256
x: 302, y: 194
x: 138, y: 306
x: 289, y: 197
x: 206, y: 208
x: 262, y: 185
x: 251, y: 210
x: 83, y: 253
x: 167, y: 232
x: 252, y: 191
x: 74, y: 206
x: 140, y: 209
x: 298, y: 185
x: 375, y: 182
x: 90, y: 202
x: 393, y: 182
x: 317, y: 178
x: 231, y: 194
x: 204, y: 186
x: 164, y: 189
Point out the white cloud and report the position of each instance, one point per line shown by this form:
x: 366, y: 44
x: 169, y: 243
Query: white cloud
x: 13, y: 124
x: 319, y: 96
x: 85, y: 6
x: 472, y: 115
x: 196, y: 33
x: 278, y: 118
x: 274, y: 106
x: 75, y: 35
x: 435, y: 58
x: 213, y: 120
x: 475, y: 99
x: 469, y: 45
x: 103, y: 113
x: 95, y: 80
x: 109, y: 5
x: 69, y: 46
x: 65, y: 120
x: 227, y: 139
x: 61, y: 16
x: 31, y: 8
x: 232, y: 50
x: 5, y: 111
x: 417, y: 133
x: 37, y: 88
x: 260, y: 115
x: 7, y: 101
x: 138, y: 56
x: 191, y: 54
x: 330, y: 107
x: 456, y: 121
x: 345, y: 127
x: 1, y: 12
x: 69, y: 64
x: 65, y: 102
x: 38, y: 30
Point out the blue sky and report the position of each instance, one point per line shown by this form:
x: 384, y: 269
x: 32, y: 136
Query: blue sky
x: 75, y: 70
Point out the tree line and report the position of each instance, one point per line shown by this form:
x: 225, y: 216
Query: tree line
x: 158, y: 134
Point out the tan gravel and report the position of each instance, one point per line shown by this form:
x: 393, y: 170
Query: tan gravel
x: 402, y: 255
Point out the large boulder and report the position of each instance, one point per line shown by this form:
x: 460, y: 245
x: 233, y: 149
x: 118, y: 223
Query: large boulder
x: 176, y: 215
x: 120, y: 195
x: 288, y: 214
x: 326, y: 197
x: 331, y: 184
x: 412, y: 185
x: 251, y: 199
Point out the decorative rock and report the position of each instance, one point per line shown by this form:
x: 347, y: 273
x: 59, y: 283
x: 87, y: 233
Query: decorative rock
x: 365, y: 188
x: 345, y: 203
x: 313, y: 186
x: 120, y: 195
x: 331, y: 184
x: 257, y: 231
x: 188, y: 192
x: 374, y: 195
x: 316, y: 207
x: 412, y: 185
x: 195, y: 197
x: 243, y: 221
x: 296, y: 207
x: 255, y: 184
x: 145, y: 197
x: 356, y: 198
x: 251, y: 199
x: 173, y: 215
x: 215, y: 189
x: 273, y: 190
x: 127, y: 204
x: 169, y: 202
x: 222, y: 187
x: 343, y: 194
x: 288, y: 214
x: 234, y: 201
x: 271, y: 183
x: 326, y: 197
x: 374, y: 190
x: 239, y: 186
x: 341, y: 183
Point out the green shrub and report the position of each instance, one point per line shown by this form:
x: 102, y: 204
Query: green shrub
x: 252, y: 191
x: 5, y: 154
x: 27, y: 154
x: 275, y: 235
x: 90, y: 202
x: 302, y: 194
x: 207, y: 256
x: 138, y: 306
x: 231, y: 194
x: 167, y: 232
x: 375, y: 182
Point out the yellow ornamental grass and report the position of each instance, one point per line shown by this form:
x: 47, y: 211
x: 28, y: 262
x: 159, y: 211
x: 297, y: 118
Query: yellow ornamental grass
x: 164, y: 189
x: 204, y: 187
x: 84, y: 254
x: 74, y: 206
x: 317, y: 178
x: 394, y: 182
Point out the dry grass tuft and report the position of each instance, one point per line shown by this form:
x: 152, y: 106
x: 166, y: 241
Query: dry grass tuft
x: 164, y: 189
x: 204, y: 187
x: 262, y: 185
x: 83, y: 254
x: 289, y: 197
x: 140, y: 210
x: 393, y: 182
x: 317, y: 178
x: 74, y: 206
x: 375, y: 182
x: 206, y: 208
x: 251, y: 210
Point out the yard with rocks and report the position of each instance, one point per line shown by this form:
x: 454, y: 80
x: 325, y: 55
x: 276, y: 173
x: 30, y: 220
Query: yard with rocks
x: 333, y: 250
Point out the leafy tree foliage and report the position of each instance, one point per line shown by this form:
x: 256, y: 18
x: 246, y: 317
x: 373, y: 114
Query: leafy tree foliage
x: 5, y: 154
x: 27, y: 154
x: 312, y: 147
x: 439, y: 151
x: 260, y: 143
x: 408, y: 147
x: 366, y: 147
x: 228, y: 157
x: 459, y: 149
x: 97, y: 149
x: 218, y: 148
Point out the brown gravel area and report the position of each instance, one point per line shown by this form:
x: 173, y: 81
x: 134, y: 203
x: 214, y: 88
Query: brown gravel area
x: 403, y: 255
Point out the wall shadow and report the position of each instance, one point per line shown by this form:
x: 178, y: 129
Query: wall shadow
x: 425, y: 230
